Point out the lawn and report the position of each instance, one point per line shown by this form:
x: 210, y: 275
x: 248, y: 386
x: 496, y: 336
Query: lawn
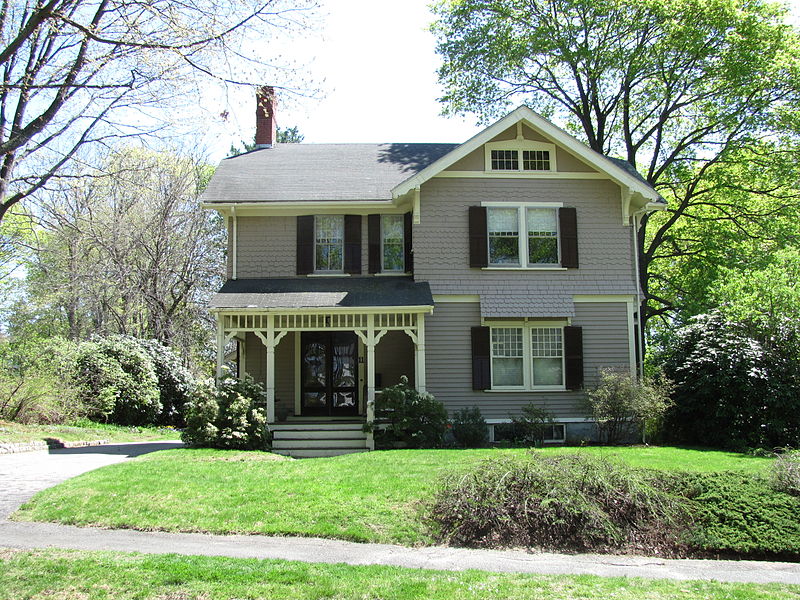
x: 87, y: 576
x: 368, y: 497
x: 11, y: 432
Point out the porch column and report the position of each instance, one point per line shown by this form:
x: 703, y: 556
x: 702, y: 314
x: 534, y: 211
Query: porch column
x: 220, y: 346
x: 370, y: 344
x: 270, y: 340
x: 419, y: 354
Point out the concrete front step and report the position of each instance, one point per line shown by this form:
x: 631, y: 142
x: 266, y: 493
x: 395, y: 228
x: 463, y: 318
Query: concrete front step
x: 291, y: 444
x: 318, y: 452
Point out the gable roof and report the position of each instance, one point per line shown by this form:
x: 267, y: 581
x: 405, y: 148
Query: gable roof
x: 626, y: 176
x: 319, y: 172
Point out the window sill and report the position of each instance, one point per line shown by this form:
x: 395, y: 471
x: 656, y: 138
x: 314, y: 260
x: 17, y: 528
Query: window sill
x: 328, y: 275
x: 524, y: 269
x: 518, y: 390
x: 392, y: 274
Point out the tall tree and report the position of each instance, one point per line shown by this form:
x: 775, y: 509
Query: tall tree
x: 130, y: 253
x: 678, y: 88
x: 77, y: 72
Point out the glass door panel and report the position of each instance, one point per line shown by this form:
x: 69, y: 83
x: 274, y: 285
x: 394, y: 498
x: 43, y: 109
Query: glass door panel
x: 329, y: 373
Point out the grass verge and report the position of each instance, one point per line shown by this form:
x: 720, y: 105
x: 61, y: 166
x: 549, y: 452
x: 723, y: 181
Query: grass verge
x: 369, y: 497
x: 16, y: 433
x: 109, y: 576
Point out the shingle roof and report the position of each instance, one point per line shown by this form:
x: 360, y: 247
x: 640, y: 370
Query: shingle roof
x: 624, y: 164
x: 319, y: 172
x: 322, y: 292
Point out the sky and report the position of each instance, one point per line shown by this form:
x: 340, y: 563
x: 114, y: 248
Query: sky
x: 375, y: 63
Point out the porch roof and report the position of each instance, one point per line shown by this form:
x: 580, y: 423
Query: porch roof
x: 321, y: 292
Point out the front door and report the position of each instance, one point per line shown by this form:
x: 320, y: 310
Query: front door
x: 328, y: 373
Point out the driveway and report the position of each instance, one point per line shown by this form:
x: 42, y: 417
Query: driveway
x: 24, y: 474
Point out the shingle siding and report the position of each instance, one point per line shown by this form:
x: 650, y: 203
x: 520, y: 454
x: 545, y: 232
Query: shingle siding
x: 267, y: 247
x: 449, y: 362
x: 441, y: 244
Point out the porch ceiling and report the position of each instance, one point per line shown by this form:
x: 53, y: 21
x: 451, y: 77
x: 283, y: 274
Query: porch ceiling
x: 321, y: 292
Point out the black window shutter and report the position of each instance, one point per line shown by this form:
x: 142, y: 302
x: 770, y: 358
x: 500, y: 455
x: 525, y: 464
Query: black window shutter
x: 305, y: 244
x: 481, y: 359
x: 352, y: 244
x: 573, y: 357
x: 478, y: 237
x: 409, y: 254
x: 374, y: 243
x: 568, y: 228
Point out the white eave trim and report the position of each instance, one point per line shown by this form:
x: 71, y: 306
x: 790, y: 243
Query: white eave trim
x: 362, y: 207
x: 549, y: 130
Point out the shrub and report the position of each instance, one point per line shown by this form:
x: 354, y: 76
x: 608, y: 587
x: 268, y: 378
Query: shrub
x: 469, y: 428
x: 786, y: 473
x: 35, y: 384
x: 622, y: 404
x: 232, y: 416
x: 741, y: 514
x: 527, y: 429
x: 558, y: 502
x: 410, y: 418
x: 175, y: 382
x: 116, y: 381
x: 735, y: 386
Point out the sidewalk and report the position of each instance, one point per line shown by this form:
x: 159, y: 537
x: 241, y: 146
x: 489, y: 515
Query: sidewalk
x: 47, y: 535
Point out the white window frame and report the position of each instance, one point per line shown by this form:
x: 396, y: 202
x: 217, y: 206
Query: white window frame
x: 527, y: 355
x: 403, y: 256
x: 327, y: 271
x: 519, y: 146
x: 522, y: 229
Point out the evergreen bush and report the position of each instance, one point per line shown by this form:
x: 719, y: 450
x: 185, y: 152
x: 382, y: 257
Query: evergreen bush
x: 406, y: 417
x: 469, y: 428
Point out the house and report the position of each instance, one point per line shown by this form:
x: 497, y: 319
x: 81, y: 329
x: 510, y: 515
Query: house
x: 493, y: 273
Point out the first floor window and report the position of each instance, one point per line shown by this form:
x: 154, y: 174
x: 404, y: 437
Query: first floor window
x: 393, y: 243
x: 528, y: 357
x: 503, y: 226
x: 329, y: 243
x: 507, y: 357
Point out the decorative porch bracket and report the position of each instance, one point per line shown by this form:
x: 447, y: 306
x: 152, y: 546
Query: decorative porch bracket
x: 270, y: 339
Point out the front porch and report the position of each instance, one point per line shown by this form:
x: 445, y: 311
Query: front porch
x: 322, y: 366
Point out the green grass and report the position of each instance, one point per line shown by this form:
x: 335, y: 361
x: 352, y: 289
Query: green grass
x: 11, y: 432
x: 369, y: 497
x: 64, y: 575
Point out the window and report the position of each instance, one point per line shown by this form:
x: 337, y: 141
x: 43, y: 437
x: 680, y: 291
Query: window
x: 527, y: 357
x: 554, y: 432
x: 329, y: 243
x: 539, y: 245
x: 392, y: 243
x: 507, y: 357
x: 520, y: 155
x: 503, y: 226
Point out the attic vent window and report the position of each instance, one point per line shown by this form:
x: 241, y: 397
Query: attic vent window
x: 535, y: 160
x: 521, y: 156
x: 505, y: 160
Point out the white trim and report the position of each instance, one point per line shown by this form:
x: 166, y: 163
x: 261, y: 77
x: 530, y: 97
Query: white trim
x: 590, y: 298
x: 556, y: 421
x: 550, y: 131
x: 494, y: 204
x: 391, y: 274
x: 524, y: 269
x: 401, y: 271
x: 298, y: 407
x: 631, y: 338
x: 422, y: 308
x: 235, y: 244
x: 334, y: 272
x: 318, y: 207
x: 527, y: 356
x: 520, y: 175
x: 453, y: 298
x: 328, y: 273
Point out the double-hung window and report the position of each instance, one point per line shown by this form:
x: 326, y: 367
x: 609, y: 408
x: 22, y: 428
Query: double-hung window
x: 536, y: 247
x: 527, y: 357
x: 392, y: 244
x: 329, y: 243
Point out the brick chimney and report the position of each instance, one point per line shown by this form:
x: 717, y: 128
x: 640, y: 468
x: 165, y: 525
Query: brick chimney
x: 266, y: 136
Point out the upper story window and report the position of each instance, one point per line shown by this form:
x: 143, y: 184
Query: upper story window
x: 329, y: 243
x: 520, y: 155
x: 392, y: 244
x: 527, y: 357
x: 538, y: 246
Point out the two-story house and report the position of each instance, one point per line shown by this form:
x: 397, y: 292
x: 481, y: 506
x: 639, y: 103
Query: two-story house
x: 494, y: 273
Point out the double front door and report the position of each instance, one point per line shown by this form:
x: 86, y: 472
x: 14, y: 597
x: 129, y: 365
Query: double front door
x: 328, y: 373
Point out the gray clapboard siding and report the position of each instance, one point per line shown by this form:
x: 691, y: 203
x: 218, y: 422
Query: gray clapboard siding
x: 449, y: 362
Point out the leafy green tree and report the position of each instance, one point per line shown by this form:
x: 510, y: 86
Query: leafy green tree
x: 291, y: 135
x: 679, y: 89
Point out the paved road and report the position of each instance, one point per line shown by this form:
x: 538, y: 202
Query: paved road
x: 25, y: 473
x: 22, y: 475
